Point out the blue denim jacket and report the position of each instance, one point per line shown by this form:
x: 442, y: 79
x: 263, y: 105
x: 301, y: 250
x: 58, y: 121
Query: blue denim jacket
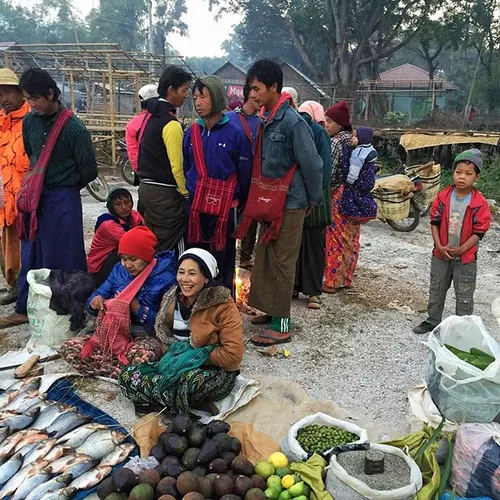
x: 287, y: 139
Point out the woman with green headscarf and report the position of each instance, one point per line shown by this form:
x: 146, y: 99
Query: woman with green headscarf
x: 109, y: 229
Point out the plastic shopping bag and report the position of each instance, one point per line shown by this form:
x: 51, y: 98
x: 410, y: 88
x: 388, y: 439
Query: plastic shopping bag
x: 291, y: 447
x: 47, y: 327
x: 462, y: 392
x: 476, y: 461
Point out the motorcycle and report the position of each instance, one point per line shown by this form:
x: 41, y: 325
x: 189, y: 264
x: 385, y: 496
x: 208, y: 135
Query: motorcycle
x: 123, y: 163
x: 98, y: 188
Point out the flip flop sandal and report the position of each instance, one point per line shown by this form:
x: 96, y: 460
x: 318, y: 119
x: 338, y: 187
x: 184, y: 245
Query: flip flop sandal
x: 263, y: 319
x: 314, y: 302
x: 262, y: 339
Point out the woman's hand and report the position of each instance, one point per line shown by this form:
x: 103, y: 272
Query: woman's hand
x: 135, y: 306
x: 97, y: 303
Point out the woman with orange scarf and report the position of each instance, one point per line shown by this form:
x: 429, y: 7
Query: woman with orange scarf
x: 14, y: 164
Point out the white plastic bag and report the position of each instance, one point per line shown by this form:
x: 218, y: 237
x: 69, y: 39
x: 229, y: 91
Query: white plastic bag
x: 345, y: 487
x: 47, y: 327
x: 291, y: 447
x: 462, y: 392
x: 476, y: 461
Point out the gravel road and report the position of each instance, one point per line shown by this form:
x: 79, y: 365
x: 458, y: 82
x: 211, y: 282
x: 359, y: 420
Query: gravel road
x: 358, y: 350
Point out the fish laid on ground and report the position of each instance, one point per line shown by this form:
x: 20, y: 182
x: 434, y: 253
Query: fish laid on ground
x: 65, y: 463
x: 63, y: 494
x: 66, y: 422
x: 10, y: 442
x: 21, y: 477
x: 25, y: 385
x: 77, y: 436
x: 9, y: 468
x: 50, y: 413
x: 7, y: 397
x: 101, y: 443
x: 118, y: 455
x: 24, y: 401
x: 57, y: 452
x: 57, y: 483
x: 30, y: 484
x: 26, y: 449
x: 91, y: 478
x: 39, y: 451
x: 5, y: 432
x: 80, y: 468
x: 29, y: 439
x: 21, y: 421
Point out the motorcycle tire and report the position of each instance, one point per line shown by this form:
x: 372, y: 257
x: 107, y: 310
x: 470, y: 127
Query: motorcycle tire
x: 98, y: 188
x: 126, y: 172
x: 410, y: 223
x: 423, y: 207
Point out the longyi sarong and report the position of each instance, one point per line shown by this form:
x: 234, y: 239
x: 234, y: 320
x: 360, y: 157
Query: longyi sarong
x: 311, y: 261
x: 59, y: 238
x: 273, y: 275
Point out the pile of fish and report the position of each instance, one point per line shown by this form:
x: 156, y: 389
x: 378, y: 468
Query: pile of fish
x: 50, y: 451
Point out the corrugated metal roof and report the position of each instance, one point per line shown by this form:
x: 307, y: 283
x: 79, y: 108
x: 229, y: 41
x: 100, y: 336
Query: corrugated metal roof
x: 217, y: 71
x: 308, y: 80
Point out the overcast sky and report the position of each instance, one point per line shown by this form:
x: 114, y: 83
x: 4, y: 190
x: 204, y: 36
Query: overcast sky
x: 205, y: 35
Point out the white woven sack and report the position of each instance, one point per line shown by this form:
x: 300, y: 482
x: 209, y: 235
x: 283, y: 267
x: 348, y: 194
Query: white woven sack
x: 342, y: 486
x: 291, y: 447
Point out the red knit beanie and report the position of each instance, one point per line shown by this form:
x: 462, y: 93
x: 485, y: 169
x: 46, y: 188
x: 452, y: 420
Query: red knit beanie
x: 139, y: 242
x: 340, y: 114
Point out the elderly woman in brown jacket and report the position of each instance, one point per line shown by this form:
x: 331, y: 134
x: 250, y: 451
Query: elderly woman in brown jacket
x: 202, y: 327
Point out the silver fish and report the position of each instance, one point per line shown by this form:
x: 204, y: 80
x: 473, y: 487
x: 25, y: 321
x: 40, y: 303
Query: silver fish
x: 4, y: 434
x: 30, y: 403
x: 77, y: 470
x: 63, y: 494
x: 9, y: 443
x: 118, y: 455
x: 25, y: 400
x: 57, y: 452
x: 7, y: 397
x: 26, y: 449
x: 39, y: 451
x: 65, y: 463
x: 50, y: 413
x: 77, y: 436
x: 101, y: 443
x: 21, y: 421
x: 21, y: 477
x: 25, y: 385
x: 90, y: 478
x: 54, y: 484
x: 65, y: 423
x: 9, y: 468
x: 29, y: 439
x: 30, y: 484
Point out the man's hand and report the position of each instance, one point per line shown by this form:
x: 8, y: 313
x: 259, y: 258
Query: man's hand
x: 97, y: 303
x: 445, y: 252
x: 455, y: 251
x: 135, y: 306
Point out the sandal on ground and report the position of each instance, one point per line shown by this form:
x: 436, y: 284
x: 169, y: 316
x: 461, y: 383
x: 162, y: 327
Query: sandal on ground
x: 263, y: 319
x: 314, y: 302
x: 270, y: 337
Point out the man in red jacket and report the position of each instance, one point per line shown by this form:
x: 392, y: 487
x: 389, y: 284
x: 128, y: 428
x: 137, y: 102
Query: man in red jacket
x: 460, y: 217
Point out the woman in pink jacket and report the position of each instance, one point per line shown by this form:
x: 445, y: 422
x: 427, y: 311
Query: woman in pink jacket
x: 109, y: 229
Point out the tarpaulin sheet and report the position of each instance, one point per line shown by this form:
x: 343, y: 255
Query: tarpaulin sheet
x: 417, y: 141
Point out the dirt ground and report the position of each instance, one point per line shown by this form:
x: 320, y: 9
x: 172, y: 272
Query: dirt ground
x: 358, y: 351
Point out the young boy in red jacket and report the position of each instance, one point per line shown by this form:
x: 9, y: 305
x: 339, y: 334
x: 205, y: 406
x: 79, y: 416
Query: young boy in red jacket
x: 460, y: 217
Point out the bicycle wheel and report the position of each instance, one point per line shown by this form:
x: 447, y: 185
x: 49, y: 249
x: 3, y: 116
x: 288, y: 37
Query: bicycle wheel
x: 410, y: 223
x: 98, y: 188
x: 423, y: 207
x: 126, y: 171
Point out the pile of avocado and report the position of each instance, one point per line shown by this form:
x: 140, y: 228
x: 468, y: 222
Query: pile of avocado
x: 474, y: 357
x: 197, y: 462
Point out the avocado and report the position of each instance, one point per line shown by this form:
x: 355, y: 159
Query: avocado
x: 175, y: 445
x: 228, y: 457
x: 241, y: 485
x: 124, y: 480
x: 167, y: 486
x: 196, y: 435
x: 255, y: 494
x: 158, y: 451
x: 236, y: 446
x: 243, y: 466
x: 193, y: 495
x: 166, y: 497
x: 189, y: 459
x: 150, y: 476
x: 209, y: 451
x: 217, y: 426
x: 105, y: 488
x: 181, y: 424
x: 258, y: 482
x: 142, y: 492
x: 231, y: 497
x: 206, y: 487
x: 200, y: 471
x: 174, y: 470
x: 187, y: 482
x: 116, y: 496
x: 161, y: 470
x: 224, y: 440
x: 218, y: 466
x: 223, y: 485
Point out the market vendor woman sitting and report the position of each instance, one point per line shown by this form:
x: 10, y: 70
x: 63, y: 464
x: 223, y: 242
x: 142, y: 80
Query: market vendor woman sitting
x: 203, y: 326
x: 109, y: 229
x: 137, y: 251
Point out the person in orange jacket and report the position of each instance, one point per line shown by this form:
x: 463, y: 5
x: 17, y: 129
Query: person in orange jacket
x: 14, y: 164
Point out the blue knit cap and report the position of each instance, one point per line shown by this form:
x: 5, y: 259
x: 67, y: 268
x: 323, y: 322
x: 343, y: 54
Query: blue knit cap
x: 472, y: 155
